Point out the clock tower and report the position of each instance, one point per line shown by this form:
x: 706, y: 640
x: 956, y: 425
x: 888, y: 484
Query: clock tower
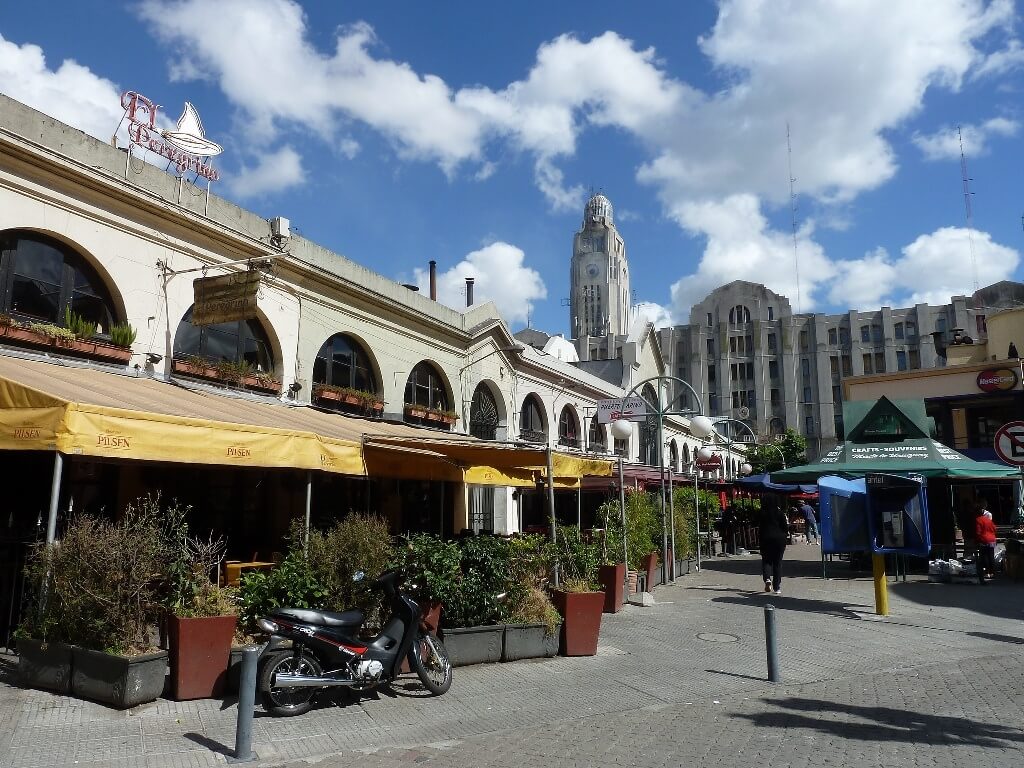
x: 599, y: 277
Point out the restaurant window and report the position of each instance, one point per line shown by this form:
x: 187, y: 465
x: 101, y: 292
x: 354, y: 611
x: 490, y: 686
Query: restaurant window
x: 483, y: 414
x: 865, y: 333
x: 481, y: 508
x: 41, y: 279
x: 425, y: 387
x: 901, y: 360
x: 235, y: 342
x: 343, y: 362
x: 833, y: 336
x: 568, y: 428
x: 898, y: 330
x: 868, y: 368
x: 597, y: 441
x: 532, y: 427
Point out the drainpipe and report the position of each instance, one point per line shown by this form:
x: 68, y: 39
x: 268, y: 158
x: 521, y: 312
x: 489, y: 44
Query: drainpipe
x: 433, y: 280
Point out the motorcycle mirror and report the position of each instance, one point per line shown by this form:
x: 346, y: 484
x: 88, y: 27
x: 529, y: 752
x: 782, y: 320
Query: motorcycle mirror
x: 358, y: 576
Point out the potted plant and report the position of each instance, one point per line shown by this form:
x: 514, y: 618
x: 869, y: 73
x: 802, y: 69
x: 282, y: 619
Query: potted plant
x: 578, y: 600
x: 201, y: 616
x: 433, y: 568
x: 101, y: 598
x: 535, y: 623
x: 414, y: 411
x: 642, y: 525
x: 472, y: 625
x: 612, y: 572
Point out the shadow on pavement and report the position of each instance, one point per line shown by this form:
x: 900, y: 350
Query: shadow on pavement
x: 1000, y: 599
x: 883, y: 724
x: 210, y: 744
x: 998, y: 638
x: 782, y: 602
x: 792, y: 567
x: 9, y: 669
x: 735, y: 674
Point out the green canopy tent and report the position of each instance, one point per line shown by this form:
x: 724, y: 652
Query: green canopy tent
x: 887, y: 439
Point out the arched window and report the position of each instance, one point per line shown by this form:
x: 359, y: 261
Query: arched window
x: 597, y: 440
x: 483, y: 414
x: 425, y: 387
x: 686, y: 454
x: 739, y: 315
x: 343, y: 362
x: 41, y: 279
x: 568, y: 428
x: 649, y: 453
x: 673, y: 456
x: 234, y: 342
x: 531, y: 421
x: 777, y: 426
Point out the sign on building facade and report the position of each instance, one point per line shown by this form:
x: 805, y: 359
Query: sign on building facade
x: 225, y: 298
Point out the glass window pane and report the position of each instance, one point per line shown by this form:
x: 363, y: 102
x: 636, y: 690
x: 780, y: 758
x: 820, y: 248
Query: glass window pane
x: 35, y: 298
x: 39, y: 261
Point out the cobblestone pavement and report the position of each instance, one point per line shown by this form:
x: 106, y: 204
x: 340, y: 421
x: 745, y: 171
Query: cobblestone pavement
x: 950, y: 654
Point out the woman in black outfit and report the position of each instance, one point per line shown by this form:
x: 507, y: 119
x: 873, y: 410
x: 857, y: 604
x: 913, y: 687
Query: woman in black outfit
x: 774, y: 535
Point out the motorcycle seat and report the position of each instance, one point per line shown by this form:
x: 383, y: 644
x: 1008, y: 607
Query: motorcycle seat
x: 351, y: 618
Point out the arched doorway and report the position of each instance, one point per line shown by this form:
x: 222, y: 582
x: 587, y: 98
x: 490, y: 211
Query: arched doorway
x: 483, y: 414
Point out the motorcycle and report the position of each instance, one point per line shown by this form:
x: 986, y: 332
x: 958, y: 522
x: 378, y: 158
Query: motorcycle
x: 310, y: 651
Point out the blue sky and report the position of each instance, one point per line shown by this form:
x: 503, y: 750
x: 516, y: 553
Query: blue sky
x: 471, y: 133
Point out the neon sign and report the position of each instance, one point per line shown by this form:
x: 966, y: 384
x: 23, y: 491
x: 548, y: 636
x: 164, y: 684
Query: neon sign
x: 186, y: 147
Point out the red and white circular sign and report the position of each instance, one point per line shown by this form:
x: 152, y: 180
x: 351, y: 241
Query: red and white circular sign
x: 1009, y: 443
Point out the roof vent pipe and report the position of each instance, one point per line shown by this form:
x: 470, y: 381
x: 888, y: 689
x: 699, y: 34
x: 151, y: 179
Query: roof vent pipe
x: 433, y: 280
x: 469, y: 291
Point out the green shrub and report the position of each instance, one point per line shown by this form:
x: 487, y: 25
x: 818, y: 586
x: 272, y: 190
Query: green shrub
x: 434, y: 566
x: 122, y: 335
x: 535, y: 607
x: 485, y: 564
x: 191, y: 565
x: 577, y: 559
x: 685, y: 518
x: 643, y: 526
x: 78, y: 325
x: 291, y: 584
x: 52, y: 331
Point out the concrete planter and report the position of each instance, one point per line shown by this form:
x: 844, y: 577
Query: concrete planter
x: 120, y: 681
x: 612, y: 578
x: 581, y: 613
x: 529, y: 641
x: 199, y: 655
x: 474, y: 645
x: 45, y: 665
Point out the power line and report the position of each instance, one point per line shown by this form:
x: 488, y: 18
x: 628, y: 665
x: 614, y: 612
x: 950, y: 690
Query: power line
x: 792, y: 213
x: 967, y: 206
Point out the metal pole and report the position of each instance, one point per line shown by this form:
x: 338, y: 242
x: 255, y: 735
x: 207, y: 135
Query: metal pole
x: 664, y: 510
x: 309, y: 504
x: 771, y: 643
x: 881, y: 589
x: 672, y: 519
x: 579, y: 506
x: 696, y: 508
x: 551, y: 505
x: 51, y: 522
x: 622, y: 513
x: 246, y: 707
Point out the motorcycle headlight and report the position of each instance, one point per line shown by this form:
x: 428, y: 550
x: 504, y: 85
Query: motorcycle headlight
x: 267, y: 625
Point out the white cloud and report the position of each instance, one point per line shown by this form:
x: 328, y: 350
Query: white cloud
x: 944, y: 144
x: 273, y: 172
x: 655, y: 313
x: 740, y: 245
x: 71, y: 93
x: 349, y: 147
x: 999, y: 63
x: 500, y: 276
x: 929, y: 270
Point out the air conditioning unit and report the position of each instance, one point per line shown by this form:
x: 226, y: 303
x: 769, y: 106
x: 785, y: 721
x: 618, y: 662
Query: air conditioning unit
x: 742, y: 412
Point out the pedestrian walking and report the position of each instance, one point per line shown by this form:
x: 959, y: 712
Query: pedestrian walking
x: 811, y: 522
x: 985, y: 538
x: 774, y: 533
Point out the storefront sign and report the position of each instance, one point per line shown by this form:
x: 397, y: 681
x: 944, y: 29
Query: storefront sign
x: 225, y: 298
x: 715, y: 462
x: 633, y: 409
x: 185, y: 147
x: 997, y: 379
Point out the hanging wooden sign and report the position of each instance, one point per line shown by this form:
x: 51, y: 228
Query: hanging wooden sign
x: 225, y: 298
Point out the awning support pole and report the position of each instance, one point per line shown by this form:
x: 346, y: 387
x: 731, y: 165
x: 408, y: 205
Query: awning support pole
x: 579, y: 506
x: 696, y: 509
x: 622, y: 513
x: 551, y: 504
x: 309, y: 504
x: 672, y: 519
x: 51, y: 522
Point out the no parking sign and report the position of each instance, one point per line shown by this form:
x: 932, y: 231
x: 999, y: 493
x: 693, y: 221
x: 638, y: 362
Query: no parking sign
x: 1009, y: 443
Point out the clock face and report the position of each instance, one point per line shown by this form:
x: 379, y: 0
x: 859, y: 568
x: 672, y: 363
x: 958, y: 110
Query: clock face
x: 592, y: 270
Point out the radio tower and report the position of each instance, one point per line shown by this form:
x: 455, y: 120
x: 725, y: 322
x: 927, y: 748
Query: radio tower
x: 967, y: 207
x: 792, y: 213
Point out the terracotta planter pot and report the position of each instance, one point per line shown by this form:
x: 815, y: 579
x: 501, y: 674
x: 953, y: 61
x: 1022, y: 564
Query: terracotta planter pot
x: 430, y: 616
x: 415, y: 412
x: 650, y: 564
x: 581, y: 616
x: 200, y: 650
x: 612, y: 578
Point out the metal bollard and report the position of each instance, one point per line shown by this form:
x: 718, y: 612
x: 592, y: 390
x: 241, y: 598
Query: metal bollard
x: 246, y: 706
x: 771, y: 643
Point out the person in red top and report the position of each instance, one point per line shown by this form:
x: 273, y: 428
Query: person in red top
x: 985, y: 536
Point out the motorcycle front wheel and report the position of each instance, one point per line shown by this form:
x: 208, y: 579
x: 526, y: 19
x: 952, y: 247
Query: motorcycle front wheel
x: 287, y: 702
x: 431, y: 664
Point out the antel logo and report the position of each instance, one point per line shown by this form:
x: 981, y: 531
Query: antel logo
x: 997, y: 380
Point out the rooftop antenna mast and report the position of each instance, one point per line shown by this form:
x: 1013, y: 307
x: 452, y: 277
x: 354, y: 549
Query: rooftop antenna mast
x: 967, y: 207
x: 792, y: 215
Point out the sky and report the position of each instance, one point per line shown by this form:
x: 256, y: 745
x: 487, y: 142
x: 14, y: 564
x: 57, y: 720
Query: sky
x: 814, y: 147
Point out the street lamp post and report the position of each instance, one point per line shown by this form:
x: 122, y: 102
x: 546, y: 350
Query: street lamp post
x: 700, y: 426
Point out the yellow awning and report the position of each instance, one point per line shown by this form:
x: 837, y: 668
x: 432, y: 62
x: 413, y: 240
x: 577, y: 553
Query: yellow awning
x: 87, y: 412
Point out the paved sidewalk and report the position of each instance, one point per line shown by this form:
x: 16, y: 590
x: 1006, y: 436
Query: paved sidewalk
x: 666, y: 662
